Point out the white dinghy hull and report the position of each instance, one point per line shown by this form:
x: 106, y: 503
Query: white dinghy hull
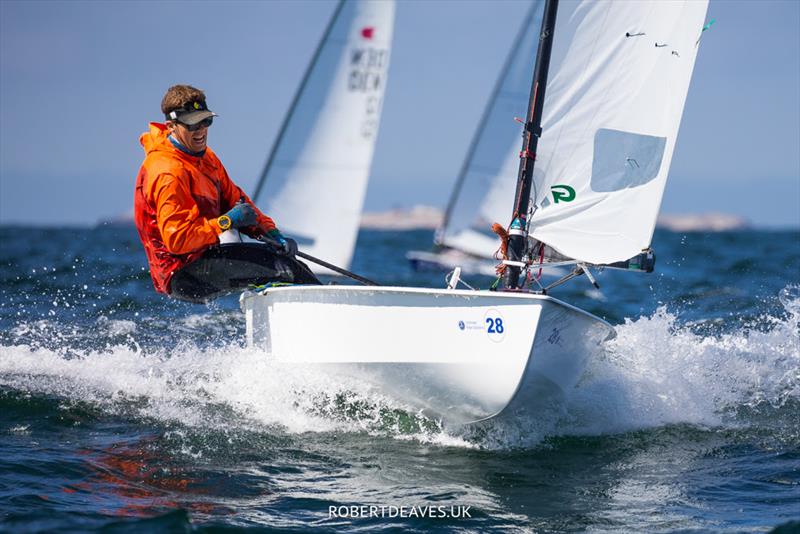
x: 460, y: 356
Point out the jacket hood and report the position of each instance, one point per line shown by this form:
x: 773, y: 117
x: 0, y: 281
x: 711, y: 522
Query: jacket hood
x: 156, y: 138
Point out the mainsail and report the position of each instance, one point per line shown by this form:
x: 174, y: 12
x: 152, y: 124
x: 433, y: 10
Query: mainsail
x: 619, y: 76
x: 316, y: 177
x: 485, y: 186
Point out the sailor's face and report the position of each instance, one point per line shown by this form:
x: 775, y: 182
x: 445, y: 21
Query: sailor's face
x: 195, y: 141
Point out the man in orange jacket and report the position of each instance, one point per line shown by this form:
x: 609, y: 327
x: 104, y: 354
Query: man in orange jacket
x: 184, y: 200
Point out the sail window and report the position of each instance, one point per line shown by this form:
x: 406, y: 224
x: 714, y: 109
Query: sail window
x: 623, y: 160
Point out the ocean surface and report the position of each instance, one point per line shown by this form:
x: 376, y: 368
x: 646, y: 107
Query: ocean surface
x: 124, y: 411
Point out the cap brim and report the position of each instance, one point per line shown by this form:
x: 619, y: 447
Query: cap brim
x: 193, y: 117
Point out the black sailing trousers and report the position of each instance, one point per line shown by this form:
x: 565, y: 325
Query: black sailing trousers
x: 231, y: 267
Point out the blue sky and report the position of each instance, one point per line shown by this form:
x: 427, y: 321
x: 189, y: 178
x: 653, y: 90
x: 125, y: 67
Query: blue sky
x: 80, y: 80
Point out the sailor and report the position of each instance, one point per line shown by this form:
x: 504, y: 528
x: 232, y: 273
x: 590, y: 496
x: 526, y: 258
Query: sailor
x: 184, y: 200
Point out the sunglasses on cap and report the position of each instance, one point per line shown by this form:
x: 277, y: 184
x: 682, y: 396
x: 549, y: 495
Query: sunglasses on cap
x: 205, y: 123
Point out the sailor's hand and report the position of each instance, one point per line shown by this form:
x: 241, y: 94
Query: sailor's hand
x: 284, y: 245
x: 242, y: 214
x: 289, y: 246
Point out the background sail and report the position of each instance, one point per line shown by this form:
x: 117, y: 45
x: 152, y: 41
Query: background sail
x: 618, y: 80
x: 317, y: 179
x: 485, y: 192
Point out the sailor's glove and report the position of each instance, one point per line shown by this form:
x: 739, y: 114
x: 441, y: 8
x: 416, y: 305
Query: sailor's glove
x: 242, y: 214
x: 288, y: 245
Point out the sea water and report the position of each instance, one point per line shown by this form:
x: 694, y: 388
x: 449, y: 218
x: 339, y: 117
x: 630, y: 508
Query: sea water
x: 121, y: 409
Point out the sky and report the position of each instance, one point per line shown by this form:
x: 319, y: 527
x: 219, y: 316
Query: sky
x: 79, y: 81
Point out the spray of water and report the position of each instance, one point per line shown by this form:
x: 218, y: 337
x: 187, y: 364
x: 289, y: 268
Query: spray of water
x: 656, y: 372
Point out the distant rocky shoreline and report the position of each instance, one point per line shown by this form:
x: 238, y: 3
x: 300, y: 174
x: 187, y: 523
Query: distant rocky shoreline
x: 429, y: 217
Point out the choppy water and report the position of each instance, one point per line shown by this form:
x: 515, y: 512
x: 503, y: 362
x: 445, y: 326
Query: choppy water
x: 121, y: 409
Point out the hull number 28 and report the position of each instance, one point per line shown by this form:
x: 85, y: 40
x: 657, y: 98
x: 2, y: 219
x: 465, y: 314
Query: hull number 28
x: 494, y: 325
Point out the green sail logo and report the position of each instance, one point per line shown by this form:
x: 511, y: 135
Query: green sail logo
x: 562, y: 193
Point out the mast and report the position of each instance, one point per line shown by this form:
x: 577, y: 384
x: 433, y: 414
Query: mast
x: 462, y: 173
x: 287, y: 119
x: 518, y: 231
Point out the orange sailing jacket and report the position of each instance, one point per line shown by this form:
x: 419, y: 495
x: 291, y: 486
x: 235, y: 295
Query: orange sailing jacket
x: 177, y: 201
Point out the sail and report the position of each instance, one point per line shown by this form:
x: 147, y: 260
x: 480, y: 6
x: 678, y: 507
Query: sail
x: 316, y: 178
x: 619, y: 76
x: 485, y: 188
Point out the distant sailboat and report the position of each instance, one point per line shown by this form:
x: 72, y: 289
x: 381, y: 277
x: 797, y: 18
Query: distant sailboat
x: 608, y: 92
x: 485, y: 185
x: 315, y: 178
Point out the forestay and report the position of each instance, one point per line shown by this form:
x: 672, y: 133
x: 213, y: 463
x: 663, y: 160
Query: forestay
x: 618, y: 81
x: 316, y: 177
x: 484, y: 190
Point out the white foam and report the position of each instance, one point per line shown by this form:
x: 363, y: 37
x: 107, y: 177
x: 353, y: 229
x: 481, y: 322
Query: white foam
x: 657, y: 372
x: 201, y: 387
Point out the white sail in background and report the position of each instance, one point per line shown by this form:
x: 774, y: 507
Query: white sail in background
x: 316, y: 178
x: 619, y: 76
x: 485, y: 191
